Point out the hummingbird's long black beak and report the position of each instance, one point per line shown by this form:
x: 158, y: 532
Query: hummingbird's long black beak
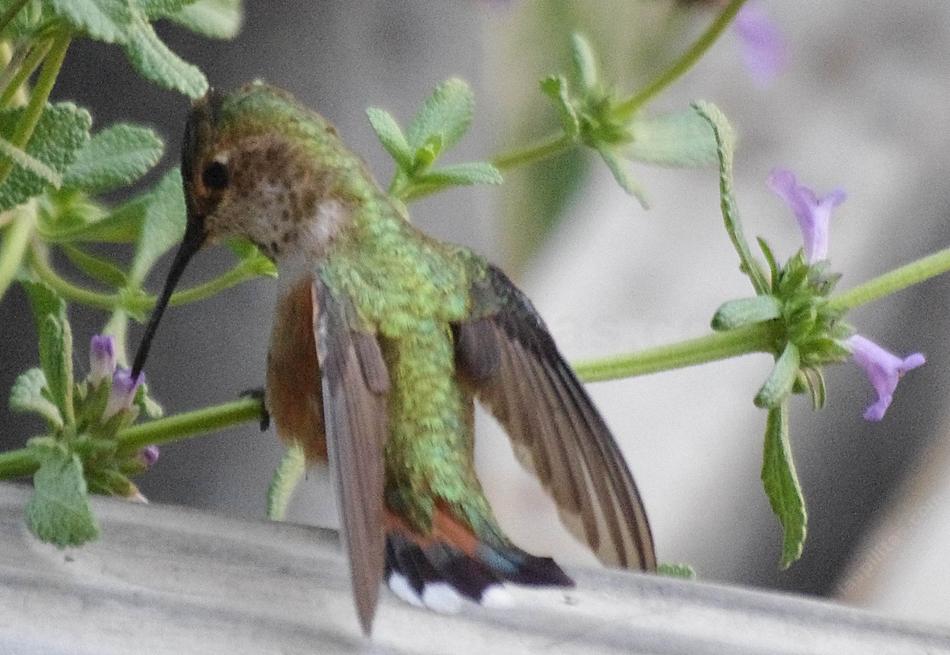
x: 190, y: 244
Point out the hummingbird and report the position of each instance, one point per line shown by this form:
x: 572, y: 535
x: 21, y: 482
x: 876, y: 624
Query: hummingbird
x: 383, y: 339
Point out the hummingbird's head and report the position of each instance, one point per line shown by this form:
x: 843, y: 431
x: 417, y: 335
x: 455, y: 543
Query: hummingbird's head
x: 255, y: 164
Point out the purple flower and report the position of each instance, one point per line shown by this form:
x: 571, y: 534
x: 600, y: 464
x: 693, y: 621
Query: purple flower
x: 101, y: 358
x: 883, y: 369
x: 813, y: 214
x: 122, y: 392
x: 149, y: 455
x: 763, y: 46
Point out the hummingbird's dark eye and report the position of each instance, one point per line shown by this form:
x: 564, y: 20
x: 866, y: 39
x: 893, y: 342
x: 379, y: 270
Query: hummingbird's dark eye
x: 215, y: 176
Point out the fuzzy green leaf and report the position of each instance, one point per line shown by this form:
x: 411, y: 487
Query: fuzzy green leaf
x: 95, y: 267
x: 781, y: 380
x: 115, y: 157
x: 122, y: 225
x: 146, y: 404
x: 623, y: 178
x: 102, y: 20
x: 679, y: 139
x: 282, y: 485
x: 56, y: 359
x: 815, y: 381
x: 27, y: 395
x: 770, y: 260
x: 725, y: 146
x: 155, y: 61
x: 252, y: 257
x: 35, y: 166
x: 447, y: 113
x: 43, y: 302
x: 782, y: 486
x: 58, y: 512
x: 676, y: 570
x: 26, y: 22
x: 162, y: 8
x: 425, y: 155
x: 585, y: 62
x: 391, y: 136
x: 476, y: 172
x: 556, y: 88
x: 736, y: 313
x: 216, y: 19
x: 162, y: 226
x: 61, y: 131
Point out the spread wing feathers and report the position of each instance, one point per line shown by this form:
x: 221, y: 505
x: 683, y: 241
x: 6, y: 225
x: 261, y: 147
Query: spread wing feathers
x: 355, y: 382
x: 509, y: 357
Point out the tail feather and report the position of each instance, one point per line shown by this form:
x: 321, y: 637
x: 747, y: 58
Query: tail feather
x: 437, y: 572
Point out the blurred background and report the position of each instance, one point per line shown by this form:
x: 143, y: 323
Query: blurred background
x: 860, y: 105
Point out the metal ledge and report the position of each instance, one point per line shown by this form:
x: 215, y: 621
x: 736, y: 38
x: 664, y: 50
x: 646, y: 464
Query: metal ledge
x: 174, y: 580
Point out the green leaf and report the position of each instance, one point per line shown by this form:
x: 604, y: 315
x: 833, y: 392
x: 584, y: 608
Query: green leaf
x: 56, y: 359
x: 252, y: 257
x: 162, y: 227
x: 150, y: 56
x: 43, y: 302
x: 476, y: 172
x: 95, y: 267
x: 782, y: 486
x: 678, y: 139
x: 447, y: 113
x: 123, y: 225
x: 291, y: 468
x: 816, y: 386
x: 676, y: 570
x: 162, y: 8
x: 216, y: 19
x: 736, y: 313
x: 35, y: 166
x: 144, y: 401
x: 26, y: 22
x: 110, y: 482
x: 58, y: 512
x: 426, y: 154
x: 115, y: 157
x: 619, y: 171
x: 770, y: 260
x: 725, y: 146
x: 556, y: 88
x: 780, y: 381
x: 585, y: 62
x: 27, y: 395
x: 391, y: 136
x: 61, y: 131
x: 102, y: 20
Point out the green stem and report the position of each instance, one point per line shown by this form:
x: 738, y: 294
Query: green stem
x: 115, y: 301
x: 189, y: 424
x: 34, y: 109
x: 14, y: 247
x: 41, y: 267
x: 719, y: 345
x: 548, y: 146
x: 21, y: 462
x: 688, y: 59
x: 23, y: 72
x: 231, y: 278
x: 894, y: 281
x: 11, y: 11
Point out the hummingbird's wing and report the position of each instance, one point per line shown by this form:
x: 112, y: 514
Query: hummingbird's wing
x: 509, y: 357
x: 355, y: 383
